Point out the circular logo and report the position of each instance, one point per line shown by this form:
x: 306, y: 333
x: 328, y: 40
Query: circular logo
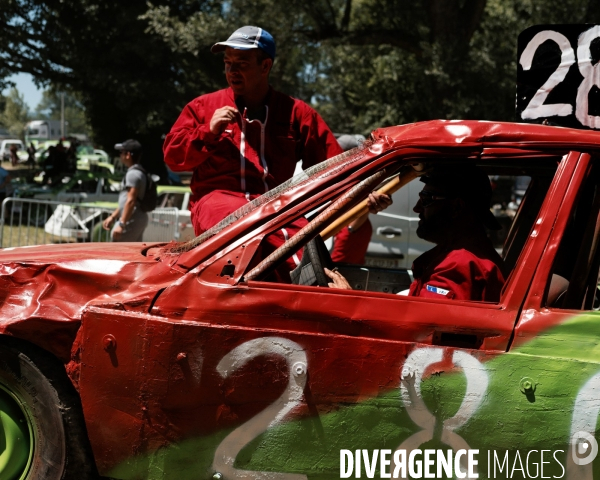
x: 584, y: 448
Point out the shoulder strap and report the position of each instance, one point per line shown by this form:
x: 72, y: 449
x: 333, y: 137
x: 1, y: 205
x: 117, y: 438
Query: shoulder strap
x: 137, y: 166
x: 147, y: 178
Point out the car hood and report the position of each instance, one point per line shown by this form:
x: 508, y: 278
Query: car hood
x: 72, y: 252
x: 51, y: 285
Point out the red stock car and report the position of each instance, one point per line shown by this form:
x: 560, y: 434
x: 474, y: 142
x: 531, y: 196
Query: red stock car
x: 188, y: 361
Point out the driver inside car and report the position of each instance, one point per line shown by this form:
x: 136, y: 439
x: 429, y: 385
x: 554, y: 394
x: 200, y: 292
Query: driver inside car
x: 453, y: 210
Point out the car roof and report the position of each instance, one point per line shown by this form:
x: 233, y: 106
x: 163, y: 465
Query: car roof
x: 454, y: 133
x: 437, y: 138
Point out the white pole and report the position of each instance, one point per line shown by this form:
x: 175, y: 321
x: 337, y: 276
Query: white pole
x: 62, y: 114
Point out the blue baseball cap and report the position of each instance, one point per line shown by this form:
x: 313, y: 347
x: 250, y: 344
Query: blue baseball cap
x: 247, y: 38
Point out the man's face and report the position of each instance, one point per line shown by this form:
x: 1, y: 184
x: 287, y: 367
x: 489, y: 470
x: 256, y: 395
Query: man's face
x: 435, y: 214
x: 245, y: 74
x: 126, y: 158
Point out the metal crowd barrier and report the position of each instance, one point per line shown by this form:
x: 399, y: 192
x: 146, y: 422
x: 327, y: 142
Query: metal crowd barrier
x: 27, y: 222
x: 164, y: 225
x: 34, y: 222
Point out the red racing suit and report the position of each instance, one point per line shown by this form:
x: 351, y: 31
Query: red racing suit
x: 470, y: 269
x: 351, y: 247
x: 249, y: 157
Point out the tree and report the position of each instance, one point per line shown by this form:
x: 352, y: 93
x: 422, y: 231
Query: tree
x: 363, y: 63
x: 50, y: 107
x: 15, y: 114
x: 369, y: 63
x: 128, y: 80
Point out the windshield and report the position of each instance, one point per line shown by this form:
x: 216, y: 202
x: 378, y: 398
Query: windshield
x: 323, y: 169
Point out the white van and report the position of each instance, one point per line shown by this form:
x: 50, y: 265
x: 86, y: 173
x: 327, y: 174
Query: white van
x: 394, y: 241
x: 5, y: 148
x: 38, y: 131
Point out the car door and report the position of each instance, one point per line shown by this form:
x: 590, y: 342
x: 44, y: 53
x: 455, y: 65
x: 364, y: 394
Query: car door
x: 555, y: 345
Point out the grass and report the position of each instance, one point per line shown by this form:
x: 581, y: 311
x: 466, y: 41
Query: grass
x: 25, y: 235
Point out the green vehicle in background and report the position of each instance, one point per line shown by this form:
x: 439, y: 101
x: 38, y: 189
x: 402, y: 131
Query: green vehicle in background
x: 88, y: 157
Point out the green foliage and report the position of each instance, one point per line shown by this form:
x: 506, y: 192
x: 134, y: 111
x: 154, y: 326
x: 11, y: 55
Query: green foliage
x: 129, y: 81
x: 15, y: 114
x: 192, y: 35
x: 49, y: 108
x: 435, y: 68
x: 362, y: 63
x: 371, y: 63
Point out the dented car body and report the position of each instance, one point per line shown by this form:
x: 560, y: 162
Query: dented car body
x: 191, y: 361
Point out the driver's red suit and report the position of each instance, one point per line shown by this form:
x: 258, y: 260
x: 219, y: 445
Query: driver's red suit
x: 468, y: 269
x: 249, y: 157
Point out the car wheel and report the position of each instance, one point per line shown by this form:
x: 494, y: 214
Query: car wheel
x: 42, y: 434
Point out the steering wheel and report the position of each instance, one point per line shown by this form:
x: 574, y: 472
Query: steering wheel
x: 315, y: 258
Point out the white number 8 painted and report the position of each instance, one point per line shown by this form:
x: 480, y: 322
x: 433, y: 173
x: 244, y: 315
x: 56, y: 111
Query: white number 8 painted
x: 591, y: 77
x: 410, y: 388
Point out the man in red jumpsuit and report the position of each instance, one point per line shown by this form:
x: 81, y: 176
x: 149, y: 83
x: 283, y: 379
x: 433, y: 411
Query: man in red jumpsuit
x: 453, y: 210
x: 246, y: 139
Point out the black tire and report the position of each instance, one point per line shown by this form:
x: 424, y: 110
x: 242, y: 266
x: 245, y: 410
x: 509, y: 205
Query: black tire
x: 315, y: 258
x: 37, y: 382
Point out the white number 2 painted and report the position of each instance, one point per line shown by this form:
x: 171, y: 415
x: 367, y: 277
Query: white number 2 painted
x: 536, y: 107
x: 229, y: 448
x: 591, y: 76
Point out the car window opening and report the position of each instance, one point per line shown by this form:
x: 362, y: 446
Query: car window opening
x: 520, y: 190
x: 573, y: 283
x: 333, y: 211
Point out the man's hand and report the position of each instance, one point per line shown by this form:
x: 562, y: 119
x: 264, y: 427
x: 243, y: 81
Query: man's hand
x: 221, y: 118
x: 107, y: 223
x: 338, y: 280
x: 117, y: 232
x: 378, y: 201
